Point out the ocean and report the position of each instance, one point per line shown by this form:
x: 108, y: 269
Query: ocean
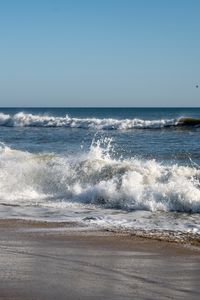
x: 123, y: 169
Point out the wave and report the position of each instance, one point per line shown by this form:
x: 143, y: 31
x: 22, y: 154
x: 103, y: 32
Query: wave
x: 97, y: 179
x: 187, y: 121
x: 30, y: 120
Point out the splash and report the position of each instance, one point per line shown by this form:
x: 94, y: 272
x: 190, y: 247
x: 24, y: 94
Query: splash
x: 97, y: 179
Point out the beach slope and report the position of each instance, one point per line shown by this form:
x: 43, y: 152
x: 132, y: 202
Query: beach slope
x: 59, y: 261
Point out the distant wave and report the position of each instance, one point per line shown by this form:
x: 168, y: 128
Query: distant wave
x: 95, y: 178
x: 30, y: 120
x: 188, y: 121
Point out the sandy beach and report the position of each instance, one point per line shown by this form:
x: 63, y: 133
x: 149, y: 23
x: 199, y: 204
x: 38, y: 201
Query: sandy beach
x: 61, y: 261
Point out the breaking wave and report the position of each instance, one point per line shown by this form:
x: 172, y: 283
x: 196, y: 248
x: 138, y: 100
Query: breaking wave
x: 30, y: 120
x: 97, y: 179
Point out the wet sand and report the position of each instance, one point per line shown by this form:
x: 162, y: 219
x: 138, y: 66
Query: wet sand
x: 61, y: 261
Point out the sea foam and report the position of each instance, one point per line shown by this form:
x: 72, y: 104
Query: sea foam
x: 96, y: 178
x: 22, y: 119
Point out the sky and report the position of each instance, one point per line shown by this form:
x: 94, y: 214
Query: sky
x: 99, y: 53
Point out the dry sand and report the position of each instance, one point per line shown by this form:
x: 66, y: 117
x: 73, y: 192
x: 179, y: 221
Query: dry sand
x: 60, y: 261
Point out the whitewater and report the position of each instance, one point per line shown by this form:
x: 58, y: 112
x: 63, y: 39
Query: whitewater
x: 52, y: 169
x: 94, y: 181
x: 22, y: 119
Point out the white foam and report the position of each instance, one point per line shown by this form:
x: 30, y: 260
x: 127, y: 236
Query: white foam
x: 96, y: 179
x: 22, y: 119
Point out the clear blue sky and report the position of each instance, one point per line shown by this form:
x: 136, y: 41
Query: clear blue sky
x: 99, y: 52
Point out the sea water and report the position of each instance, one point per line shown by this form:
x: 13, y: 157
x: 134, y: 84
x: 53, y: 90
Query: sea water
x: 114, y: 168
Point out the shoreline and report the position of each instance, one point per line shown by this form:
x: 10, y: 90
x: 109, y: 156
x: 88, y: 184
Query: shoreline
x: 182, y: 238
x: 41, y: 260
